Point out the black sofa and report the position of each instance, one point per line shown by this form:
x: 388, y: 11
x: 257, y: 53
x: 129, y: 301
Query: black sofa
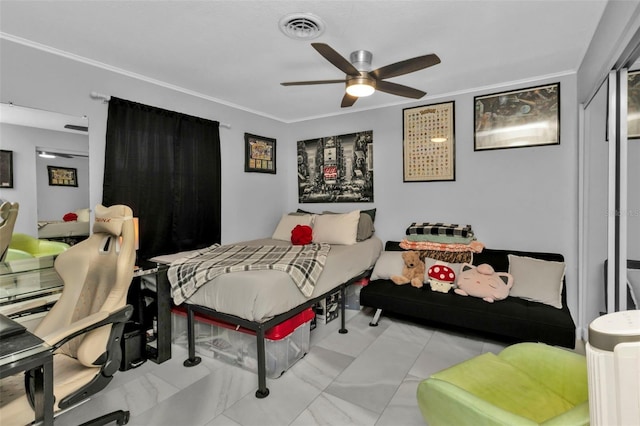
x: 512, y: 319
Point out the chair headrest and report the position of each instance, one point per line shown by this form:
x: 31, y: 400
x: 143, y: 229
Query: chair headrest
x: 109, y: 220
x: 5, y: 209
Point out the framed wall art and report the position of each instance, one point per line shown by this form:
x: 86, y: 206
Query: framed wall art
x: 336, y: 169
x: 519, y: 118
x: 429, y: 143
x: 259, y: 154
x: 6, y: 169
x: 633, y: 105
x: 62, y: 176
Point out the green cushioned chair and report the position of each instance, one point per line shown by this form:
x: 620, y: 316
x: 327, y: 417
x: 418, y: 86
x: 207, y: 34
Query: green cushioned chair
x: 526, y: 384
x: 34, y: 246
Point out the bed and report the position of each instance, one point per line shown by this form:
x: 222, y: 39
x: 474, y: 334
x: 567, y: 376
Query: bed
x: 62, y: 229
x: 260, y: 299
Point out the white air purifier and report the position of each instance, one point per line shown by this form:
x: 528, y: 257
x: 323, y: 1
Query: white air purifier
x: 613, y: 363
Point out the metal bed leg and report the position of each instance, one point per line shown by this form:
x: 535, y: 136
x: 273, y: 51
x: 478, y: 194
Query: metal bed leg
x: 262, y: 391
x: 193, y: 360
x: 343, y: 298
x: 376, y: 318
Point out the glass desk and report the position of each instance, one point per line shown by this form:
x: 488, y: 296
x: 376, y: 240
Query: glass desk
x: 24, y: 352
x: 28, y: 285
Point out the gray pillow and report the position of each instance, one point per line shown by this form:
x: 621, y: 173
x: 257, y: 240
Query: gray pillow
x: 389, y: 263
x: 365, y: 227
x: 537, y: 280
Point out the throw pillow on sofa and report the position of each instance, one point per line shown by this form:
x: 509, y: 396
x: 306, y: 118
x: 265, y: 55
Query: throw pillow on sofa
x: 537, y: 280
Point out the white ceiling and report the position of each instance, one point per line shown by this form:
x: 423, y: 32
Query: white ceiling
x: 233, y: 52
x: 29, y: 117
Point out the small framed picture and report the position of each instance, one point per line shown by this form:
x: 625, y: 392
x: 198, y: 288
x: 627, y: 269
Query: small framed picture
x: 6, y: 169
x: 259, y: 154
x: 519, y: 118
x: 62, y: 176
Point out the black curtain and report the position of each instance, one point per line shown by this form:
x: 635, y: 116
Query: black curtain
x: 166, y: 167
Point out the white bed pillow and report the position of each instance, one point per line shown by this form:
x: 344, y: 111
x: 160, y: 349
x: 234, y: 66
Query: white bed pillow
x: 83, y: 215
x: 336, y: 228
x: 537, y: 280
x: 288, y: 222
x: 389, y: 263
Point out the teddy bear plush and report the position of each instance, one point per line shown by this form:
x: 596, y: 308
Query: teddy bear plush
x: 484, y: 282
x: 412, y: 271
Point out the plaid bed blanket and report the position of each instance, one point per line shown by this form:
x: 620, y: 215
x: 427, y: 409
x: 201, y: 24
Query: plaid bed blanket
x: 439, y: 228
x: 303, y: 263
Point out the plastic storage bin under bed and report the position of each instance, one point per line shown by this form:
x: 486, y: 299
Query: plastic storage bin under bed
x: 285, y: 343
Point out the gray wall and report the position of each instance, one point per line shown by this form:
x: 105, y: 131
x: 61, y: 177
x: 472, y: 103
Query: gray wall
x: 524, y: 198
x: 33, y: 78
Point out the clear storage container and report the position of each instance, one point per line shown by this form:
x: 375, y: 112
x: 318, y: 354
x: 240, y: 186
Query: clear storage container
x: 285, y: 343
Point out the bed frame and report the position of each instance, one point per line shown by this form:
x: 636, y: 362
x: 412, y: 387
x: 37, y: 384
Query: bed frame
x: 260, y: 327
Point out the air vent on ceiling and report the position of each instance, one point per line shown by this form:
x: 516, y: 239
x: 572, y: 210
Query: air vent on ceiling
x: 301, y: 26
x: 76, y: 127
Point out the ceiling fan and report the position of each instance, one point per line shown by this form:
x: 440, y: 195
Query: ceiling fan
x: 360, y: 81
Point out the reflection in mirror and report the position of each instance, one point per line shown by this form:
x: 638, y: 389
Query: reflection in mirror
x: 63, y: 194
x: 24, y: 132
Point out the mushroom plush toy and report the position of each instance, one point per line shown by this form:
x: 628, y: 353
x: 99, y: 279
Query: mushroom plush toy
x: 441, y: 278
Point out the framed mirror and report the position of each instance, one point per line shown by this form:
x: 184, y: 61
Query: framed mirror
x: 39, y: 139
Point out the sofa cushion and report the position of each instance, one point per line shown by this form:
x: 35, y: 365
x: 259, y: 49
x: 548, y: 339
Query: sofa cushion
x: 537, y: 280
x: 389, y: 263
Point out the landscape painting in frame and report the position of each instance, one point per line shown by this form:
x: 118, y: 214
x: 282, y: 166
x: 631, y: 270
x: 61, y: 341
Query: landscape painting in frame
x: 336, y: 169
x: 518, y: 118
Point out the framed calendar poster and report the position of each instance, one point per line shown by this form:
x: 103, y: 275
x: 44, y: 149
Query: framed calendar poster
x: 429, y: 143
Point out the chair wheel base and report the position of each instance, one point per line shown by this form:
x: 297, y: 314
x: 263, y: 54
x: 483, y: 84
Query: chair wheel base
x: 121, y: 417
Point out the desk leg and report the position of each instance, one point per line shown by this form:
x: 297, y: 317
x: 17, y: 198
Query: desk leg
x: 163, y: 336
x: 43, y: 397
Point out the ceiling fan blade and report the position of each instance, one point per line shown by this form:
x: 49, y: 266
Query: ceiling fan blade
x: 305, y: 83
x: 348, y: 100
x: 406, y: 66
x: 399, y: 89
x: 336, y: 59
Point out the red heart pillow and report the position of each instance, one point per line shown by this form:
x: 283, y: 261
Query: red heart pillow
x: 70, y: 217
x: 301, y: 235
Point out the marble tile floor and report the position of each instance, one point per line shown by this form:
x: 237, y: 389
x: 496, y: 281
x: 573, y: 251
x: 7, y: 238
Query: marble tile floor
x: 368, y: 376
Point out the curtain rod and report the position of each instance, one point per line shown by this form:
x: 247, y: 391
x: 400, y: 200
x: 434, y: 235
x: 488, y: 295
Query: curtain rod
x: 106, y: 98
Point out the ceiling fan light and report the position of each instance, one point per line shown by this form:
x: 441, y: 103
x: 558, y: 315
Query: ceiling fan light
x: 360, y: 90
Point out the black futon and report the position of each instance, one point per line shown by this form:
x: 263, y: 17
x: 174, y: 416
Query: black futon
x: 512, y: 319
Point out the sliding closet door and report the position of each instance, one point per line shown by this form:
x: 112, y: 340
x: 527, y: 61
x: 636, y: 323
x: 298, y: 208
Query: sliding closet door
x: 594, y: 152
x: 618, y: 192
x: 610, y: 197
x: 633, y: 184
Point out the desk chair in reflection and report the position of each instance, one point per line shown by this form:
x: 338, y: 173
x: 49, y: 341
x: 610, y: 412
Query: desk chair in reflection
x: 85, y: 325
x: 8, y: 216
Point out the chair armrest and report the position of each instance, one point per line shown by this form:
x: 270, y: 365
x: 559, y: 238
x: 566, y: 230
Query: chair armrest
x: 96, y: 320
